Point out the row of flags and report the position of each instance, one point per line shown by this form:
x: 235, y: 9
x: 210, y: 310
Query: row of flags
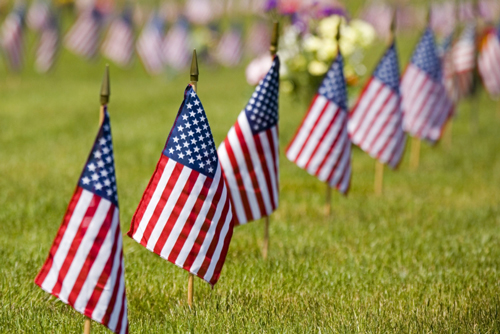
x: 198, y: 193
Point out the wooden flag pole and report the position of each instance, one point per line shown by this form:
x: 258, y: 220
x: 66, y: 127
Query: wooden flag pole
x: 415, y: 153
x: 273, y: 48
x: 194, y: 74
x: 86, y: 327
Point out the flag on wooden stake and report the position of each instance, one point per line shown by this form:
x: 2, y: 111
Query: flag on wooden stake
x: 48, y: 46
x: 85, y: 265
x: 84, y: 36
x: 426, y: 105
x: 464, y: 60
x: 376, y: 121
x: 249, y: 155
x: 119, y: 43
x: 149, y: 45
x: 489, y: 61
x: 185, y: 213
x: 177, y: 46
x: 12, y: 38
x: 321, y: 145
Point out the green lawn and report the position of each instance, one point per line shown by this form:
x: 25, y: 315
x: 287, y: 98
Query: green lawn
x: 424, y: 257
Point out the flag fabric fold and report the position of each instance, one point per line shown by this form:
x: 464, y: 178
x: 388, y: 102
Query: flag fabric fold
x: 488, y: 62
x: 321, y: 145
x: 250, y: 156
x: 426, y: 105
x: 185, y: 214
x: 376, y: 121
x: 85, y: 266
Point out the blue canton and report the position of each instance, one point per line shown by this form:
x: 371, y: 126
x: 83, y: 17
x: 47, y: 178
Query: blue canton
x: 387, y: 70
x: 190, y: 141
x: 333, y: 86
x: 445, y: 45
x: 98, y: 176
x: 262, y: 109
x: 425, y: 56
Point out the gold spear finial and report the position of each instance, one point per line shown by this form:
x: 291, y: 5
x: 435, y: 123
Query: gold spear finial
x: 429, y: 13
x: 393, y: 26
x: 105, y: 91
x: 194, y: 73
x: 274, y: 39
x: 337, y: 37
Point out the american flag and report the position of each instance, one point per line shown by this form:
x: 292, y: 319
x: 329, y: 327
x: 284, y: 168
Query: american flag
x: 426, y: 105
x: 177, y: 46
x: 85, y: 265
x: 464, y: 60
x: 445, y: 52
x: 249, y: 155
x: 229, y: 49
x: 83, y: 37
x: 258, y: 39
x: 12, y: 38
x: 48, y: 46
x: 38, y: 15
x: 119, y: 43
x: 488, y: 62
x: 321, y: 145
x: 185, y: 214
x: 376, y: 121
x: 149, y: 45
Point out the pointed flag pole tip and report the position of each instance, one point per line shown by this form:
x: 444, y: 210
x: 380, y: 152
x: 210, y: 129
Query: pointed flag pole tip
x: 274, y: 38
x: 105, y: 90
x: 194, y: 73
x: 393, y: 25
x: 337, y: 37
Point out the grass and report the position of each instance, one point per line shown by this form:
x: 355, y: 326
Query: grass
x: 422, y: 258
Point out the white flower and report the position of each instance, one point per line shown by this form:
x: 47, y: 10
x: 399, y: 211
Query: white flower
x: 312, y: 43
x: 317, y: 68
x: 258, y: 68
x: 364, y: 31
x: 328, y: 27
x: 328, y: 50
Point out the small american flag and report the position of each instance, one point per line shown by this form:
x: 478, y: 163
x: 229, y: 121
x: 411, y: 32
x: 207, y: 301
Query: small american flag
x: 185, y: 213
x: 489, y: 62
x: 177, y: 46
x: 38, y: 15
x: 445, y: 52
x: 12, y: 38
x: 48, y: 46
x: 249, y: 155
x: 149, y: 45
x: 119, y: 42
x: 376, y: 121
x: 229, y: 49
x: 464, y: 60
x: 258, y: 39
x: 84, y: 36
x: 85, y: 265
x: 426, y: 105
x: 321, y: 145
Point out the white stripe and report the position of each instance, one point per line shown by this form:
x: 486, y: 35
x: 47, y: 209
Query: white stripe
x: 333, y: 157
x: 187, y: 208
x: 364, y: 103
x: 386, y: 113
x: 344, y: 159
x: 220, y: 244
x: 113, y: 319
x: 266, y: 147
x: 397, y: 149
x: 160, y: 187
x: 231, y: 183
x: 276, y: 162
x: 306, y: 128
x: 392, y: 121
x: 200, y: 220
x: 98, y: 266
x: 168, y: 208
x: 198, y: 262
x: 257, y: 166
x: 71, y: 230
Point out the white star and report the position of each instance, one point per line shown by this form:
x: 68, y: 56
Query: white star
x: 188, y: 152
x: 198, y: 130
x: 191, y: 133
x: 86, y: 180
x: 91, y: 167
x: 102, y: 141
x: 98, y: 186
x: 198, y: 157
x: 196, y: 149
x: 200, y: 110
x: 108, y: 160
x: 186, y: 144
x: 203, y: 146
x: 202, y: 165
x: 97, y: 154
x: 105, y: 150
x: 192, y: 113
x: 202, y: 118
x: 193, y: 94
x: 210, y: 170
x: 191, y: 160
x: 205, y: 153
x: 178, y: 147
x: 176, y: 139
x: 171, y: 150
x: 187, y: 125
x: 205, y: 126
x: 212, y: 150
x: 183, y: 136
x: 207, y: 135
x: 104, y: 173
x: 184, y: 117
x: 95, y: 177
x: 180, y: 128
x: 107, y: 183
x: 214, y: 158
x: 196, y: 102
x: 200, y: 138
x: 181, y: 155
x: 100, y: 164
x: 195, y: 122
x: 189, y: 105
x: 193, y: 141
x: 109, y: 192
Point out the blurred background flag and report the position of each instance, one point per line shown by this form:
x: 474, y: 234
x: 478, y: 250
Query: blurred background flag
x: 38, y: 15
x: 258, y: 39
x: 85, y: 266
x: 84, y: 36
x: 321, y: 145
x: 426, y: 104
x: 376, y: 121
x: 185, y: 213
x: 149, y: 45
x: 229, y: 50
x: 177, y: 45
x: 488, y: 62
x: 249, y: 154
x: 12, y: 38
x: 445, y: 52
x: 48, y: 46
x: 119, y: 42
x: 464, y: 59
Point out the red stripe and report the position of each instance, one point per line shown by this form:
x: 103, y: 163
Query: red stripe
x: 205, y: 227
x: 274, y: 151
x: 188, y: 225
x: 106, y: 272
x: 57, y: 241
x: 396, y: 150
x: 367, y: 109
x: 121, y: 315
x: 214, y: 242
x: 146, y: 197
x: 112, y: 301
x: 383, y: 127
x: 82, y: 230
x: 94, y: 251
x: 302, y: 123
x: 250, y: 167
x: 177, y: 209
x: 336, y: 162
x: 375, y: 117
x: 167, y: 191
x: 266, y: 172
x: 332, y: 147
x: 239, y: 180
x: 360, y: 98
x: 223, y: 254
x: 387, y: 141
x: 433, y: 102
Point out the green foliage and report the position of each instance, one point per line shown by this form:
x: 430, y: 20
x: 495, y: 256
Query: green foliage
x: 424, y: 257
